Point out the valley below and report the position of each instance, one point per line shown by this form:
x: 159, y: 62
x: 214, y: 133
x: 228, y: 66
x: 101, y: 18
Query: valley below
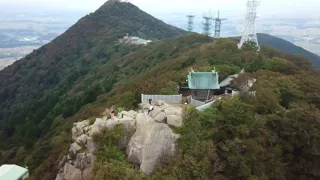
x: 10, y: 55
x: 4, y: 62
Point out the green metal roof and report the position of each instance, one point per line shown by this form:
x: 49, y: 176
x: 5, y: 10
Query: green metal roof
x: 12, y: 172
x: 203, y: 80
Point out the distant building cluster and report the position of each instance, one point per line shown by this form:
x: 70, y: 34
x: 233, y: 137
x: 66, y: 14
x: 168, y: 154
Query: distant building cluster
x: 133, y: 40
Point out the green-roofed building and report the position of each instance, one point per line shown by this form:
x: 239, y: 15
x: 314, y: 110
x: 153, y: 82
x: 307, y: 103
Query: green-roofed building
x: 13, y: 172
x: 203, y: 85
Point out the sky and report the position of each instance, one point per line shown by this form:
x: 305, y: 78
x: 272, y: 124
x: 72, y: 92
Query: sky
x: 268, y: 7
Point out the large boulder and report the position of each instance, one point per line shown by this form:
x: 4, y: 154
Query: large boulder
x: 77, y: 129
x: 97, y: 127
x: 151, y: 142
x: 62, y: 162
x: 174, y: 120
x: 91, y: 146
x: 142, y: 120
x: 70, y: 172
x: 60, y: 176
x: 162, y: 104
x: 131, y: 114
x: 126, y: 121
x: 80, y: 168
x: 87, y: 173
x: 161, y: 117
x: 74, y: 148
x: 171, y: 110
x: 160, y: 142
x: 83, y: 160
x: 82, y: 139
x: 156, y: 110
x: 134, y: 148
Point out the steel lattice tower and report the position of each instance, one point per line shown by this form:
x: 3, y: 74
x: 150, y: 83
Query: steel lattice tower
x: 190, y: 22
x: 207, y: 24
x: 249, y: 33
x: 217, y: 29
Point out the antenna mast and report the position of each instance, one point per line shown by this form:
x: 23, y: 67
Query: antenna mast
x: 190, y: 22
x: 249, y: 33
x: 207, y: 23
x: 218, y: 26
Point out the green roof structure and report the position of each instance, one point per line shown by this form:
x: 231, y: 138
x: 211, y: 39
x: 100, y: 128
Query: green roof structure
x: 13, y: 172
x: 203, y: 80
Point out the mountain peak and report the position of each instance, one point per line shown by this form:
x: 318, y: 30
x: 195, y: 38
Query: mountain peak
x: 123, y: 17
x: 91, y: 42
x: 110, y: 3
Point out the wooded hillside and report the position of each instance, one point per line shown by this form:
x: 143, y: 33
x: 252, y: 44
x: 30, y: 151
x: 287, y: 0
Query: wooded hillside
x: 35, y: 90
x: 274, y: 135
x: 288, y: 47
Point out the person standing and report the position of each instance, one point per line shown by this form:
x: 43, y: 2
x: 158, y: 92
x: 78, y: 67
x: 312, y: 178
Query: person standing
x: 112, y: 112
x: 150, y: 109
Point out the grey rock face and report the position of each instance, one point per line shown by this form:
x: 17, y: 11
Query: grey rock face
x: 87, y: 173
x: 174, y: 120
x: 71, y: 173
x: 131, y: 114
x: 77, y: 129
x: 74, y: 148
x: 91, y: 146
x: 82, y: 139
x: 161, y: 117
x: 83, y: 160
x: 150, y: 142
x: 78, y: 166
x: 62, y: 162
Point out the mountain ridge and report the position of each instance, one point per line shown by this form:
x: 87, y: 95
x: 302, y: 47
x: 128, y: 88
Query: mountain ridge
x: 84, y: 43
x: 81, y: 74
x: 35, y: 89
x: 288, y: 47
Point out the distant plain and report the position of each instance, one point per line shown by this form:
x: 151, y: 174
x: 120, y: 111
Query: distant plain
x: 21, y: 33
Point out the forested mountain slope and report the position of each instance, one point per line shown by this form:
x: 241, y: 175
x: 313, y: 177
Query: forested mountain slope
x: 274, y: 135
x: 270, y: 136
x: 288, y: 47
x: 32, y: 89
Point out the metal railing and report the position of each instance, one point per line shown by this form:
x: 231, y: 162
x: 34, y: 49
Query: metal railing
x: 196, y: 103
x: 171, y: 99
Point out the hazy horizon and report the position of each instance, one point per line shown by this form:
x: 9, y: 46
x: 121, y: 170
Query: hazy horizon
x: 270, y: 8
x: 33, y: 23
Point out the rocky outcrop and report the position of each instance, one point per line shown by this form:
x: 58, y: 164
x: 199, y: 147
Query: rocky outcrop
x: 78, y: 129
x: 78, y: 163
x: 165, y: 113
x: 152, y: 140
